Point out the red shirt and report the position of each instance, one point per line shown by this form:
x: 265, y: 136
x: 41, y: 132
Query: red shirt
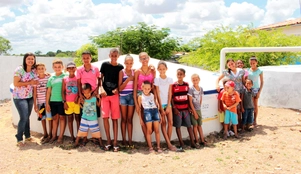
x: 180, y: 95
x: 219, y: 97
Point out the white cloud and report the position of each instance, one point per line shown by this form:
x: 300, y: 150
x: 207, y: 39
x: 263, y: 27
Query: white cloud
x: 6, y: 13
x: 4, y: 3
x: 245, y: 12
x: 278, y: 11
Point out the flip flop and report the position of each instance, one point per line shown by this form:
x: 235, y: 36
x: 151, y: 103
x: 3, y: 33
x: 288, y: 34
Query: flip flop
x: 180, y: 149
x: 107, y: 147
x: 151, y: 150
x: 115, y: 149
x: 20, y: 144
x: 159, y: 150
x: 172, y: 148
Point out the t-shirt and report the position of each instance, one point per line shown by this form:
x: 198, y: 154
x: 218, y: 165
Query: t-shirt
x: 90, y: 76
x: 148, y: 102
x: 23, y: 92
x: 236, y: 78
x: 248, y: 99
x: 71, y: 88
x: 230, y: 100
x: 89, y: 109
x: 196, y: 97
x: 42, y: 89
x: 254, y: 76
x: 179, y: 95
x: 111, y: 76
x: 55, y: 83
x: 163, y: 85
x: 219, y: 97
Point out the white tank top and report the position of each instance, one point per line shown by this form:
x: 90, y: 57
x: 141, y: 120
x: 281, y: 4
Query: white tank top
x: 148, y: 102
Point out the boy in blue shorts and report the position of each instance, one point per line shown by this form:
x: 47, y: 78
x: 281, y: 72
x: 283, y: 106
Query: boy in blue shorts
x: 230, y: 101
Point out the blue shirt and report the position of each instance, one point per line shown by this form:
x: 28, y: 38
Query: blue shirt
x: 89, y: 109
x: 254, y: 76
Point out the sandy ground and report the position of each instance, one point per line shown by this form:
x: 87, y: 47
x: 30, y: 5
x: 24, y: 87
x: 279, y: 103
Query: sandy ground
x: 273, y: 147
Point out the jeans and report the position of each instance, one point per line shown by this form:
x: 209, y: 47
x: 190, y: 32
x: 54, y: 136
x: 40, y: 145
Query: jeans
x: 24, y: 107
x: 247, y: 116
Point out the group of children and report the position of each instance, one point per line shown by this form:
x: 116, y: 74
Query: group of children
x: 80, y: 93
x: 119, y: 91
x: 238, y: 101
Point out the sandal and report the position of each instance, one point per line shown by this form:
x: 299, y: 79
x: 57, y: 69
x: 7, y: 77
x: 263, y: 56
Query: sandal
x: 250, y: 129
x: 51, y: 141
x: 159, y: 150
x: 204, y: 143
x: 20, y: 144
x: 172, y: 148
x: 131, y: 147
x: 115, y: 149
x: 60, y: 141
x: 28, y: 139
x: 151, y: 150
x: 46, y: 140
x: 180, y: 149
x: 196, y: 146
x: 107, y: 147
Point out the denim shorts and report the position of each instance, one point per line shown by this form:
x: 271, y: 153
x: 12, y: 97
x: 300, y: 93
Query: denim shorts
x: 151, y: 115
x: 127, y: 100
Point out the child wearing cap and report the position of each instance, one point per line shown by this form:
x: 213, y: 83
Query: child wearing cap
x: 70, y: 97
x: 230, y: 101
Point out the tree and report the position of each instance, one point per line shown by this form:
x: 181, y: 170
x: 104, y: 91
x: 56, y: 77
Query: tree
x: 135, y: 39
x: 38, y: 53
x: 50, y: 54
x: 61, y: 54
x: 208, y: 54
x: 92, y: 48
x: 4, y: 45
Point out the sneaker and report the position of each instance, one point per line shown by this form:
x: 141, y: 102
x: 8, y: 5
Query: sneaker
x: 231, y: 133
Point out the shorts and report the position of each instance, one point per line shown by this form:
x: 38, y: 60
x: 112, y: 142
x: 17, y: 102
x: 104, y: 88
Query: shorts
x: 45, y: 114
x: 57, y: 108
x: 127, y: 100
x: 73, y: 108
x: 230, y: 117
x: 255, y: 90
x: 164, y: 106
x: 151, y: 115
x: 197, y: 122
x: 183, y: 119
x: 221, y: 116
x: 247, y: 116
x: 110, y: 105
x: 84, y: 127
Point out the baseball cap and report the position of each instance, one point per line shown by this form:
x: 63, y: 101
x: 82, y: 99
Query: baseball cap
x: 230, y: 83
x: 70, y: 65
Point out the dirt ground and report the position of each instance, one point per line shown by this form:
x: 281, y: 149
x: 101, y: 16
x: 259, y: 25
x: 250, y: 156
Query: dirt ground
x: 273, y: 147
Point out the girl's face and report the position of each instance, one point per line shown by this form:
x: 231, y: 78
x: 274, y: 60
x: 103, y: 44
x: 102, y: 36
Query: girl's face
x: 128, y: 63
x: 87, y: 93
x: 162, y: 69
x: 146, y: 88
x: 195, y: 80
x: 71, y: 70
x: 231, y: 65
x: 41, y: 70
x: 240, y: 64
x: 30, y: 60
x: 86, y: 58
x: 144, y: 59
x: 253, y: 63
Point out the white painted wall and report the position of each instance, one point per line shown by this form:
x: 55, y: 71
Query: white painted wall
x: 281, y: 86
x: 8, y: 64
x: 292, y: 30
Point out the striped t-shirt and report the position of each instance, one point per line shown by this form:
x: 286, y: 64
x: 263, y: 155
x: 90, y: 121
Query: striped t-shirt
x: 180, y: 95
x: 42, y: 89
x: 129, y: 88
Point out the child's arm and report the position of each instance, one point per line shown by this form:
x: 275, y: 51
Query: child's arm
x: 36, y: 109
x: 79, y: 87
x: 139, y: 113
x: 64, y: 95
x: 175, y: 110
x: 135, y: 91
x: 159, y: 105
x: 242, y: 103
x: 261, y: 85
x: 102, y: 91
x: 168, y: 107
x: 217, y: 82
x: 122, y: 85
x: 191, y: 106
x: 48, y: 93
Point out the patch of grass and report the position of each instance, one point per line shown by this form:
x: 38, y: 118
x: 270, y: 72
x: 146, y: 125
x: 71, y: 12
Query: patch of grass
x: 228, y: 157
x: 219, y: 159
x: 236, y: 151
x: 176, y: 158
x: 120, y: 161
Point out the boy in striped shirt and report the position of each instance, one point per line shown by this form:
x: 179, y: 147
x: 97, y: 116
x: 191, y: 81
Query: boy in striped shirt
x: 180, y: 104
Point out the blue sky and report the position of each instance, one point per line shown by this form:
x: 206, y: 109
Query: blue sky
x: 45, y: 25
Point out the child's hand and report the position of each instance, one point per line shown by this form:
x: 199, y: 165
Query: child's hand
x: 47, y: 108
x: 167, y: 110
x: 141, y: 122
x: 34, y: 82
x: 176, y: 111
x: 130, y: 78
x: 257, y: 95
x: 162, y: 112
x: 102, y: 92
x: 66, y: 106
x: 36, y: 108
x: 242, y: 110
x: 196, y: 116
x: 219, y: 110
x: 115, y: 91
x: 138, y: 109
x: 152, y: 67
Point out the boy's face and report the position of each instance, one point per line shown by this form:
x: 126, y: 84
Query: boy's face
x: 195, y: 80
x: 249, y: 84
x: 146, y: 88
x: 229, y: 89
x: 239, y: 64
x: 41, y: 70
x: 86, y: 58
x: 71, y: 70
x: 114, y: 56
x: 162, y: 69
x: 57, y: 67
x: 87, y: 93
x: 180, y: 75
x: 253, y: 63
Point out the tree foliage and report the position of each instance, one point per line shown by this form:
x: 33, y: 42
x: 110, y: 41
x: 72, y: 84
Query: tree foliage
x: 92, y: 48
x: 207, y: 55
x: 142, y: 37
x: 4, y: 45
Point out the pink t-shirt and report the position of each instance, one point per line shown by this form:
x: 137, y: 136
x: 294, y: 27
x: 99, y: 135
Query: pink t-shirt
x: 71, y: 88
x: 24, y: 92
x: 142, y: 78
x: 90, y: 76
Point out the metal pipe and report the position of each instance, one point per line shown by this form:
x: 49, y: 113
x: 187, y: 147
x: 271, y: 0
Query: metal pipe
x: 252, y: 49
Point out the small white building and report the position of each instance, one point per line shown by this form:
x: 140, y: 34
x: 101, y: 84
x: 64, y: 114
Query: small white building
x: 289, y: 27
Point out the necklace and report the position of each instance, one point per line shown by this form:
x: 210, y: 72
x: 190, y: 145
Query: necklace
x: 144, y: 71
